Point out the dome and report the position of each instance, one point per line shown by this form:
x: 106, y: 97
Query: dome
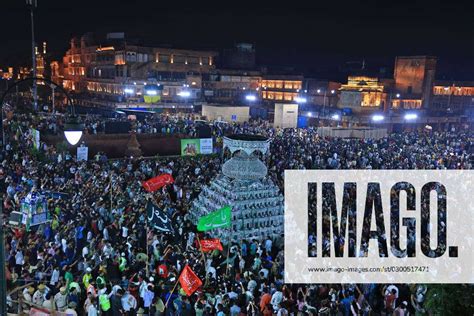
x: 244, y: 167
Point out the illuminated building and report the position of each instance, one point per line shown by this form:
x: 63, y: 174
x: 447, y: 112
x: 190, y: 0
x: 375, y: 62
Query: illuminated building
x: 414, y: 77
x: 78, y: 58
x: 106, y: 67
x: 362, y: 93
x: 230, y: 86
x: 6, y: 75
x: 281, y: 87
x: 452, y: 97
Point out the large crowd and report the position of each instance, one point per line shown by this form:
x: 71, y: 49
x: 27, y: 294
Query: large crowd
x: 97, y: 256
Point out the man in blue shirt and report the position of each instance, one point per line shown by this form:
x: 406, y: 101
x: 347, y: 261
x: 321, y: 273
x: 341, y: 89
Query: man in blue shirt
x: 346, y: 302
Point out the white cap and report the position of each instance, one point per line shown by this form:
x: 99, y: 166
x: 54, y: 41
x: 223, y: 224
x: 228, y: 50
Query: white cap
x: 152, y: 279
x: 89, y: 270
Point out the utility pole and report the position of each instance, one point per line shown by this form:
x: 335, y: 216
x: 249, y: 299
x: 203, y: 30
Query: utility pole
x: 32, y: 4
x: 3, y: 280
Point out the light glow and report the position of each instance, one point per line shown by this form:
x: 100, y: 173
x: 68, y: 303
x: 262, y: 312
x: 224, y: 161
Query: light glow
x: 250, y: 97
x: 184, y: 94
x: 411, y: 116
x: 335, y: 117
x: 128, y: 90
x: 378, y: 118
x: 151, y: 92
x: 73, y: 137
x: 300, y: 100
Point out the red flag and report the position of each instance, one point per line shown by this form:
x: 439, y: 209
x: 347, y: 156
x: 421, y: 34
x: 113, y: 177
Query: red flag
x: 157, y: 182
x: 189, y: 281
x: 211, y: 244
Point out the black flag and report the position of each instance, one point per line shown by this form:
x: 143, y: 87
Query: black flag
x: 158, y: 219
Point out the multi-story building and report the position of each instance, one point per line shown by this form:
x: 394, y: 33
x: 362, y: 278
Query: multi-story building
x: 362, y: 94
x: 71, y: 73
x: 231, y: 86
x: 452, y: 97
x: 414, y: 77
x: 281, y: 88
x: 114, y: 69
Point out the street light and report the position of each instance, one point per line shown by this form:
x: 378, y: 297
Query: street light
x: 73, y: 130
x: 300, y: 100
x: 32, y: 4
x: 184, y: 94
x: 377, y: 118
x: 250, y: 97
x: 411, y: 116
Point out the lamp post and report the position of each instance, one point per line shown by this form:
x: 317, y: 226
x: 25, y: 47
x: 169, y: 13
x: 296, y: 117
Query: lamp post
x: 32, y: 4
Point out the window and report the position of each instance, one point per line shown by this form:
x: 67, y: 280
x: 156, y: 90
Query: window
x: 179, y: 59
x: 193, y: 60
x: 165, y: 58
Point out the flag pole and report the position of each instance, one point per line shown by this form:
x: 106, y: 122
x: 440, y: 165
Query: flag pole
x: 111, y: 195
x: 147, y: 255
x: 171, y: 293
x: 202, y: 252
x: 228, y: 251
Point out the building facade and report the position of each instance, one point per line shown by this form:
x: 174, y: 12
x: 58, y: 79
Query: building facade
x: 111, y: 68
x: 452, y: 97
x: 362, y: 94
x: 414, y: 77
x: 278, y: 88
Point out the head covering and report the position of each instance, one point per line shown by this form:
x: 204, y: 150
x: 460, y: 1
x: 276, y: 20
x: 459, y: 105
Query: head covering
x: 31, y: 290
x: 62, y: 290
x: 88, y: 270
x: 41, y: 287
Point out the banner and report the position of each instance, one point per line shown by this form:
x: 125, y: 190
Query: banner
x: 158, y: 219
x: 196, y: 146
x: 157, y: 182
x: 36, y: 138
x: 210, y: 244
x: 205, y: 146
x: 189, y: 281
x: 82, y: 153
x: 190, y: 147
x: 217, y: 219
x: 152, y: 98
x: 34, y: 209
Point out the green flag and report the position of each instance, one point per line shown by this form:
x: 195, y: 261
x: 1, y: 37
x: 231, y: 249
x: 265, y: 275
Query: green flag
x: 216, y: 219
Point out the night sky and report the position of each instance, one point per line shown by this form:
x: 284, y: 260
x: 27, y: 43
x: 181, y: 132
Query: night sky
x: 319, y: 39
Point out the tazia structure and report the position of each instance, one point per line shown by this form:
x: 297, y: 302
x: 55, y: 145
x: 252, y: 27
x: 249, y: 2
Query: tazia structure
x: 257, y: 203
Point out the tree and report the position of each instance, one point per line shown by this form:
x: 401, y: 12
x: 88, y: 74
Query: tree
x: 450, y: 299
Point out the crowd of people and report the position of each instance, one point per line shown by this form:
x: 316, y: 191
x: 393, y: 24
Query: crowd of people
x: 96, y: 255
